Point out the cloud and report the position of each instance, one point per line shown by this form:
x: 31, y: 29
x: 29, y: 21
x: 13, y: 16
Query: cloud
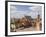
x: 33, y: 12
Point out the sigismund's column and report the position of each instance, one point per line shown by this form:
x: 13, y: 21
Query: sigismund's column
x: 38, y: 23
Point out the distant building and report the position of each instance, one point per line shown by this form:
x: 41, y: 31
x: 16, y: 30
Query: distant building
x: 28, y: 17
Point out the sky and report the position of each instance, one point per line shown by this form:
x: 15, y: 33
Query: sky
x: 19, y: 11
